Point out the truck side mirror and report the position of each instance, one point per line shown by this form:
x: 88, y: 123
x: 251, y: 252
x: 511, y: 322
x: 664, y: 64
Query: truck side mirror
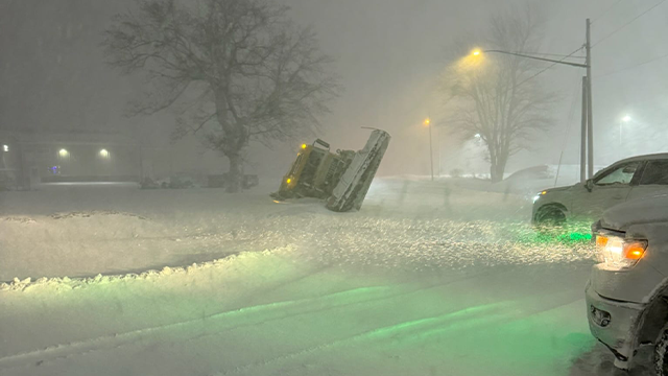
x: 589, y: 184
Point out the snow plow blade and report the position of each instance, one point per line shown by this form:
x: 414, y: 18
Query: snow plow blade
x: 354, y: 184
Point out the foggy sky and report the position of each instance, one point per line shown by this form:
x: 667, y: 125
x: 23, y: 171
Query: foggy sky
x: 389, y: 54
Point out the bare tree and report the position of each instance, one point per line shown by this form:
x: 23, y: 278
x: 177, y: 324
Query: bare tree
x: 233, y: 70
x: 498, y: 98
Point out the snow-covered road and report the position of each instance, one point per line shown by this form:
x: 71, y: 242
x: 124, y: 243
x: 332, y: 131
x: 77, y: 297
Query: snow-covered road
x: 272, y: 313
x: 418, y: 283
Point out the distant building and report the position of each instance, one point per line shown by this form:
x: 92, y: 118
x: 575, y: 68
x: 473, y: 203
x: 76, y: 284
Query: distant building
x: 31, y: 157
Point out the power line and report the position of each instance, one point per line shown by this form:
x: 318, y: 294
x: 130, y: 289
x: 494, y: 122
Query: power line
x: 634, y: 66
x: 551, y: 65
x: 628, y: 23
x: 606, y: 11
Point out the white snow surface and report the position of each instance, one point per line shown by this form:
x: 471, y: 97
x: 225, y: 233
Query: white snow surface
x: 427, y: 279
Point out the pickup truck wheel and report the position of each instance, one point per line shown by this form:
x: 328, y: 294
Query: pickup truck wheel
x: 550, y: 216
x: 661, y: 354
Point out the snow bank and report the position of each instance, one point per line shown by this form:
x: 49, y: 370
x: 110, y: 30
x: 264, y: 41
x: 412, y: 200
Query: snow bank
x: 419, y: 225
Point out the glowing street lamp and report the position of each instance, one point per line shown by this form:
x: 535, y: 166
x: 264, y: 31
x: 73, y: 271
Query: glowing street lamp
x: 104, y: 153
x: 63, y: 153
x: 476, y: 52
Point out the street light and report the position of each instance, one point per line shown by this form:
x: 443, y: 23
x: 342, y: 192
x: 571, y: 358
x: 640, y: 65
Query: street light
x: 427, y: 123
x: 479, y: 52
x: 104, y: 153
x: 63, y: 153
x: 587, y: 139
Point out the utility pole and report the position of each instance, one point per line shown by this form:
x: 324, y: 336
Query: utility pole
x: 583, y: 136
x: 427, y: 123
x: 431, y: 155
x: 590, y: 105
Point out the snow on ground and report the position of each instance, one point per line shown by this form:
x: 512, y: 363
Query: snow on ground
x: 428, y: 279
x: 82, y: 231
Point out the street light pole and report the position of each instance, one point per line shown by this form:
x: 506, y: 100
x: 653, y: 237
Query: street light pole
x: 583, y: 130
x: 427, y: 122
x: 587, y: 141
x: 590, y: 106
x: 579, y: 65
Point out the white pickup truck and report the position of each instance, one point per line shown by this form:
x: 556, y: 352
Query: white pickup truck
x: 626, y: 180
x: 627, y: 295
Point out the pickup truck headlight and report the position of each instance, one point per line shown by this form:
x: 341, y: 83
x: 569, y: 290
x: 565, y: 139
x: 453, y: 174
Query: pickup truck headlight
x: 619, y: 253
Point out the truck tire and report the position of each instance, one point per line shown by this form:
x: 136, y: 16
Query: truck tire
x: 661, y: 353
x: 550, y: 216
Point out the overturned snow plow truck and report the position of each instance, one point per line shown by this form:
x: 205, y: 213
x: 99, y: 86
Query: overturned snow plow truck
x: 342, y: 178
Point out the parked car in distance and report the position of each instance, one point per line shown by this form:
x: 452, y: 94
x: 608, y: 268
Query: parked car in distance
x: 527, y: 181
x: 627, y: 294
x: 626, y: 180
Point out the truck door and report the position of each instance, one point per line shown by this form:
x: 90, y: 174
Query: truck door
x: 608, y: 189
x: 654, y: 180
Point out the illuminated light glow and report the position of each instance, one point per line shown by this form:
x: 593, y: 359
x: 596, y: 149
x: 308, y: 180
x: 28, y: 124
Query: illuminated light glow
x: 427, y: 121
x: 5, y: 148
x: 635, y: 255
x: 537, y: 197
x: 476, y: 52
x: 601, y: 241
x: 619, y: 253
x: 104, y: 153
x: 276, y: 202
x: 626, y: 118
x: 63, y: 152
x: 289, y: 181
x: 303, y: 146
x: 634, y: 251
x: 579, y: 236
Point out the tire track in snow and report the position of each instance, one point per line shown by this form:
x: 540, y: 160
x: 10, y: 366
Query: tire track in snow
x: 563, y: 301
x: 466, y: 318
x: 118, y: 340
x: 390, y: 331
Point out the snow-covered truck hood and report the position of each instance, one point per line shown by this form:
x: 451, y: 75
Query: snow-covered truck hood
x: 636, y: 212
x: 559, y: 189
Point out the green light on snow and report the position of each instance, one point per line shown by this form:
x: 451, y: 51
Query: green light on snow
x: 579, y: 236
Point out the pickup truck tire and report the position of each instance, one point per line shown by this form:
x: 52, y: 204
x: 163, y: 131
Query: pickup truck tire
x: 661, y: 353
x: 550, y: 216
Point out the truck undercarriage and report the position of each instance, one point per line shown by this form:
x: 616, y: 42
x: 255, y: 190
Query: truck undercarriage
x: 342, y: 178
